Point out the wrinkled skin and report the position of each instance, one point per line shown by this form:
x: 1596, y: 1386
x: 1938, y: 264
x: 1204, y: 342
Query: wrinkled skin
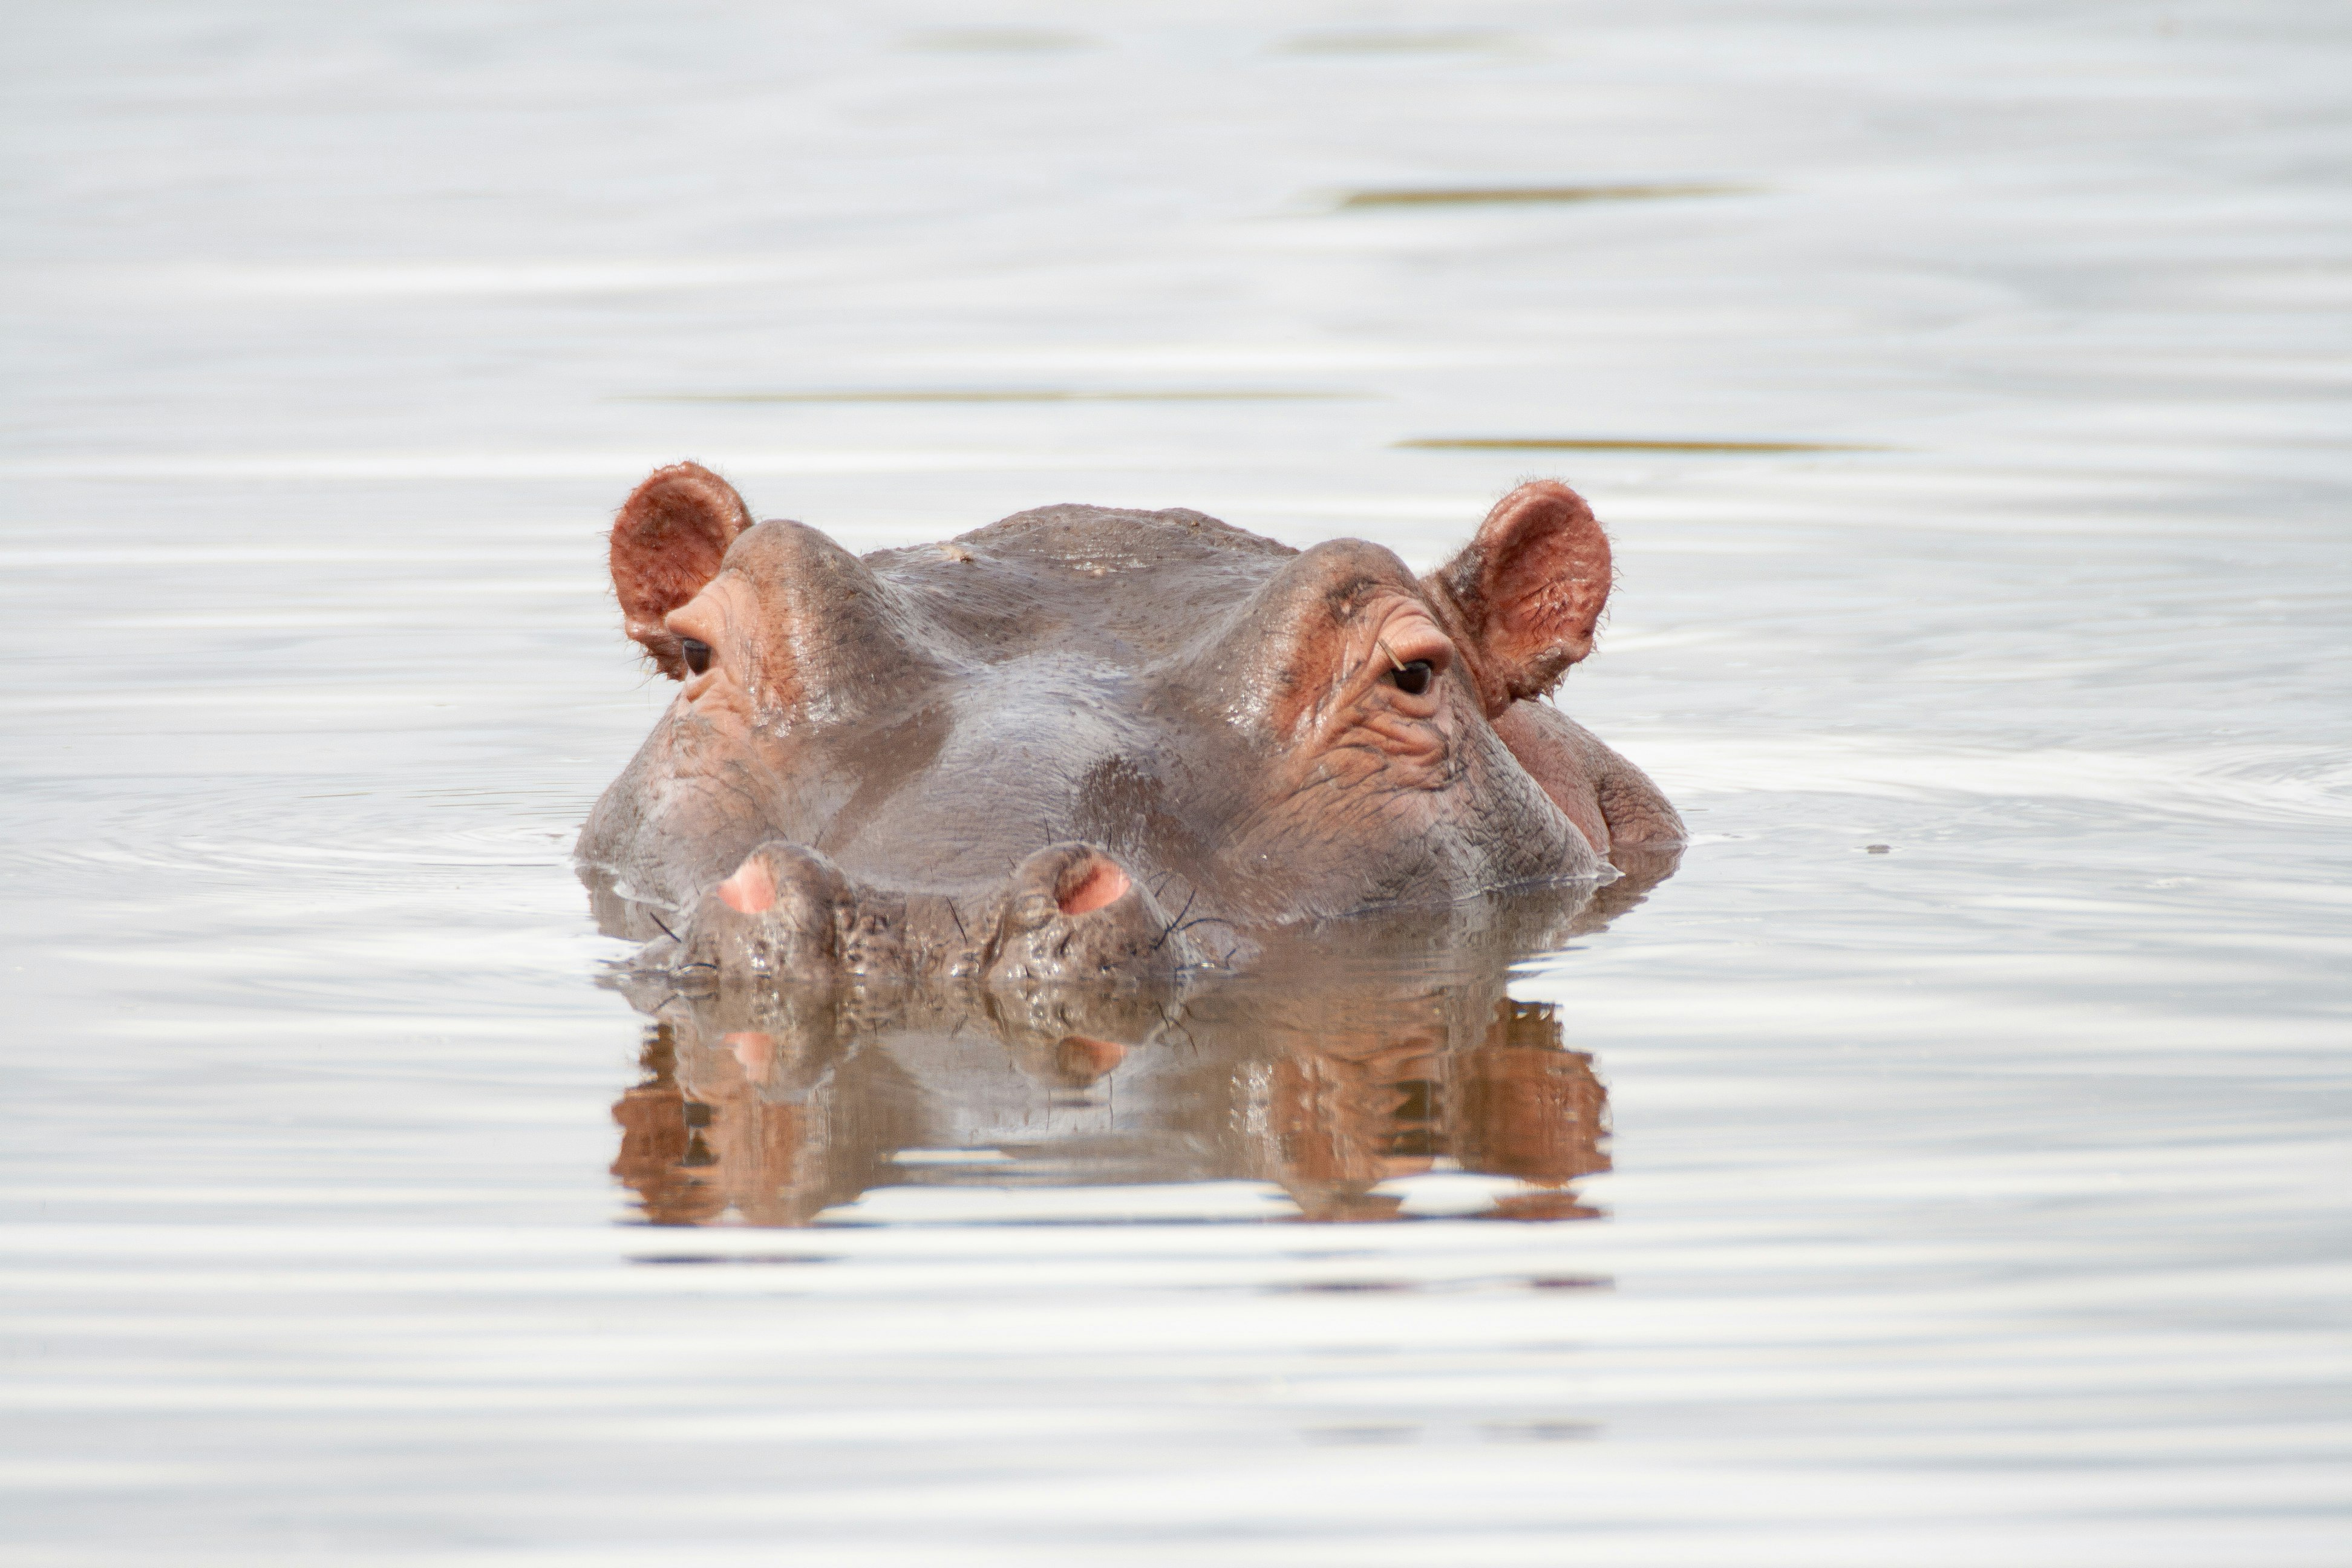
x: 1092, y: 747
x: 939, y: 845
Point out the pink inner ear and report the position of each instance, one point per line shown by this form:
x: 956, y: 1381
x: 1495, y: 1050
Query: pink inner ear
x: 1550, y: 564
x: 669, y: 540
x: 1532, y: 587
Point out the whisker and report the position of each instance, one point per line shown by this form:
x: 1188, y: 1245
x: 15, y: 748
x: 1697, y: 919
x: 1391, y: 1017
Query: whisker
x: 1177, y: 924
x: 1205, y: 920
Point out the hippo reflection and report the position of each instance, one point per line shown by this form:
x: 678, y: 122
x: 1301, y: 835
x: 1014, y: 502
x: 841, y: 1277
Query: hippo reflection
x: 1085, y: 745
x: 769, y: 1103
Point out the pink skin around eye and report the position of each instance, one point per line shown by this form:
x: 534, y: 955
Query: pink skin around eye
x: 704, y: 619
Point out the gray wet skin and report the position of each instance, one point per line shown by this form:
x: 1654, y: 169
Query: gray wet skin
x: 1088, y: 745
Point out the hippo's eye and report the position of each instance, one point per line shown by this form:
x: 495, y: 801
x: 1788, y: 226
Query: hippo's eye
x: 697, y: 654
x: 1413, y: 679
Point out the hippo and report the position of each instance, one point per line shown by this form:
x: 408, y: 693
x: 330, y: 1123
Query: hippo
x: 1093, y: 746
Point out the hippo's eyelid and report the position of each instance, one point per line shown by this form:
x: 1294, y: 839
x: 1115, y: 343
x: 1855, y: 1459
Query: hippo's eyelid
x: 1414, y: 677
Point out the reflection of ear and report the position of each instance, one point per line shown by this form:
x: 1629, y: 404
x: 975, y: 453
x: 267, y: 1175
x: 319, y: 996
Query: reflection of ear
x: 1528, y: 591
x: 667, y: 542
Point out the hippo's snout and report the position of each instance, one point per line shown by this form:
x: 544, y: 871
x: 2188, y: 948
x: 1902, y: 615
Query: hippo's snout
x: 1069, y: 915
x: 1073, y: 915
x: 787, y: 913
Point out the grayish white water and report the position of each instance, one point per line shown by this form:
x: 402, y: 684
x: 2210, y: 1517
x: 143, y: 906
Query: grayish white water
x: 1981, y: 1200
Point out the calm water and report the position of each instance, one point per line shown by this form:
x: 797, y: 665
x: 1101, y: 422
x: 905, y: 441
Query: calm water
x: 1981, y: 1198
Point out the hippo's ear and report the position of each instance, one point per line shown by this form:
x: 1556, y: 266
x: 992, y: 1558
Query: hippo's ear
x: 667, y: 542
x: 1527, y: 592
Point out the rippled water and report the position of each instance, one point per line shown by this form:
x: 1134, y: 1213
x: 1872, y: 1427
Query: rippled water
x: 1966, y: 387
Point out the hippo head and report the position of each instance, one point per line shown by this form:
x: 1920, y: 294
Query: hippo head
x: 1087, y: 743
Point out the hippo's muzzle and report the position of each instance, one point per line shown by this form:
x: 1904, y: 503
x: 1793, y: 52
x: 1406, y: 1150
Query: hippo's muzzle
x: 1073, y: 916
x: 1069, y: 915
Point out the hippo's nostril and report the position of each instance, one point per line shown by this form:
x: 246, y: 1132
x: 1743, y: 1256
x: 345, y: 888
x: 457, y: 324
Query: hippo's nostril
x: 1090, y: 885
x: 751, y: 889
x: 1073, y: 915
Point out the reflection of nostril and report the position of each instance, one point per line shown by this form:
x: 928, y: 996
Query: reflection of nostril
x: 1101, y: 885
x: 754, y: 1050
x: 751, y: 889
x: 1085, y: 1059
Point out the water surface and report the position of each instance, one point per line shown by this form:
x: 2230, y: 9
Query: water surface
x: 1947, y: 1164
